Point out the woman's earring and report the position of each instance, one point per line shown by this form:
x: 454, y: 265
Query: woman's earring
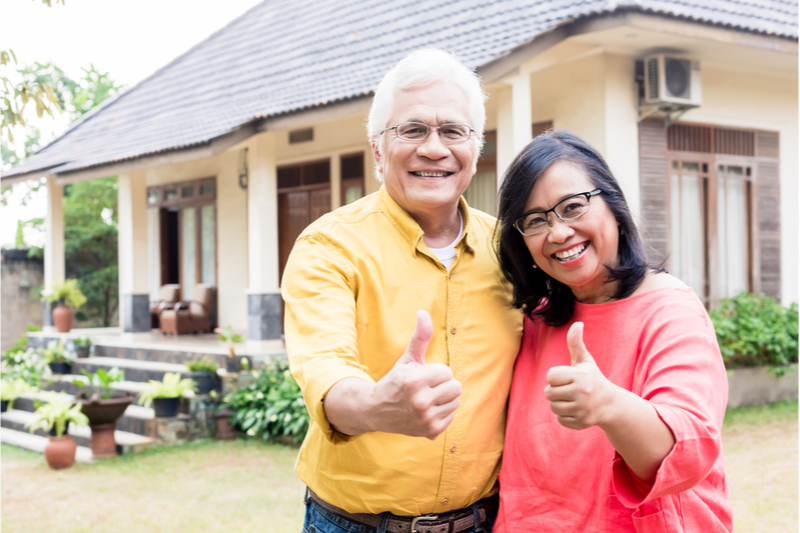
x: 534, y: 266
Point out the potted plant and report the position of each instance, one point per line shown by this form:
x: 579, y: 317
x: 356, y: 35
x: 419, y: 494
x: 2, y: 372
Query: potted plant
x: 55, y: 417
x: 67, y: 296
x: 82, y: 346
x: 165, y: 396
x: 103, y: 406
x: 204, y: 372
x: 228, y: 336
x: 59, y: 360
x: 10, y: 390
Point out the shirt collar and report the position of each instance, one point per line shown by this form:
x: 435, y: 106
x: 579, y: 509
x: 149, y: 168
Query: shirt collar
x: 409, y: 228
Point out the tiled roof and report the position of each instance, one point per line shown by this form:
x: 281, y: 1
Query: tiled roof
x: 287, y: 55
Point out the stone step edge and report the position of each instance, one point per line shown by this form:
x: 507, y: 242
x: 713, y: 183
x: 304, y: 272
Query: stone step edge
x: 156, y: 366
x: 123, y: 438
x: 133, y: 411
x: 36, y: 443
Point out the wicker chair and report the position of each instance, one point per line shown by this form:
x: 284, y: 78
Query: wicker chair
x: 189, y: 317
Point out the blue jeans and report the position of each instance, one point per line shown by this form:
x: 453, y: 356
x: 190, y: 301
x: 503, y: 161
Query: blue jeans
x: 318, y: 520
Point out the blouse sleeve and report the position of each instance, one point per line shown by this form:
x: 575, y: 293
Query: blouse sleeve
x: 681, y: 373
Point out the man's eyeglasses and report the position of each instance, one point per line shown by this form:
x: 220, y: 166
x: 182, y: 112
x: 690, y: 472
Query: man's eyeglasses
x: 567, y: 209
x: 417, y: 132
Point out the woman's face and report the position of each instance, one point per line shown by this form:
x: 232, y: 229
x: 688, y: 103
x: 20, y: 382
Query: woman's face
x: 575, y: 252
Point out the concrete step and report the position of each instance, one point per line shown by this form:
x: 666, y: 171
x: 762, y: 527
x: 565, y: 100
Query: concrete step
x: 37, y: 443
x: 135, y: 370
x: 126, y: 442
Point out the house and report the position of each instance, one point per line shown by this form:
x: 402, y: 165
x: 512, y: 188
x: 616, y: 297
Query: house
x: 228, y: 152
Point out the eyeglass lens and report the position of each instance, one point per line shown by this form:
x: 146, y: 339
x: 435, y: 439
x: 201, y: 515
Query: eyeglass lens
x: 418, y: 132
x: 567, y: 209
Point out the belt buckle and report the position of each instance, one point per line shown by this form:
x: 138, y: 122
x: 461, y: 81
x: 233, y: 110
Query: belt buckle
x: 426, y: 518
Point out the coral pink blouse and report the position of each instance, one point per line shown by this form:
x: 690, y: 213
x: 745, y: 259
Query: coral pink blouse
x: 660, y: 345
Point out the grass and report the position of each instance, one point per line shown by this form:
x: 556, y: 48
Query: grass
x: 251, y: 486
x: 206, y: 486
x: 760, y: 447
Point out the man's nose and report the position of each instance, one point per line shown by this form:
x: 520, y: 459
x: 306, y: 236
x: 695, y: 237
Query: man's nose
x: 433, y: 147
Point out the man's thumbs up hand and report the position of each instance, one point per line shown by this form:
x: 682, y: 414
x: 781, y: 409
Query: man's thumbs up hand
x: 415, y: 398
x: 579, y: 394
x: 418, y: 345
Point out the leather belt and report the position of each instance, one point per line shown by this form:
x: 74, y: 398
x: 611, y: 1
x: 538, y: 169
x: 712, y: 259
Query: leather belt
x: 457, y: 521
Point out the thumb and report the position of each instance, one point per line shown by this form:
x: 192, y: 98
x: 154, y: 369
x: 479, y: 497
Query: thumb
x: 577, y: 350
x: 418, y: 345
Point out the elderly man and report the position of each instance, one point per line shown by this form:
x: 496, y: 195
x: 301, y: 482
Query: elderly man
x: 398, y: 324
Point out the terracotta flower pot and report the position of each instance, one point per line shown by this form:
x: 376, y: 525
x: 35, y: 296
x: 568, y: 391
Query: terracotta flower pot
x: 60, y: 452
x: 63, y: 317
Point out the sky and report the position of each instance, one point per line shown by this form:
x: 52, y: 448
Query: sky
x: 129, y: 39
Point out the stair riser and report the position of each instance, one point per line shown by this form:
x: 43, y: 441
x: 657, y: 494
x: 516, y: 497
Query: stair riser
x: 140, y: 426
x: 19, y: 426
x: 131, y: 374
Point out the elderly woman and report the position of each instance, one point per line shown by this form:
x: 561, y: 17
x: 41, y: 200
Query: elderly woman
x: 619, y: 389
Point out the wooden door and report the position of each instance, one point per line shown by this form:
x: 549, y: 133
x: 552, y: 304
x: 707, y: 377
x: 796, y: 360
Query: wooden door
x: 296, y: 210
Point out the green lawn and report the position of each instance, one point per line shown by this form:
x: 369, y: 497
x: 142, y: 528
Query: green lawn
x: 247, y: 486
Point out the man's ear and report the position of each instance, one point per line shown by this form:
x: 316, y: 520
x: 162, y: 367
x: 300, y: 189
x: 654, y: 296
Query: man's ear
x: 376, y: 153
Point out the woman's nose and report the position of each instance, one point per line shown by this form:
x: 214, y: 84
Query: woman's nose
x: 558, y: 230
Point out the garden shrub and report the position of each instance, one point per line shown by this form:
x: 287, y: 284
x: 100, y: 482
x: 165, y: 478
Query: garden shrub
x: 755, y: 330
x: 270, y: 406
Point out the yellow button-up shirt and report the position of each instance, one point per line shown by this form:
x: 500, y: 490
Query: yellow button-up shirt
x: 352, y: 286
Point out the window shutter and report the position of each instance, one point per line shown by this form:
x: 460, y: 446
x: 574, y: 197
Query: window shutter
x: 654, y: 184
x: 768, y: 215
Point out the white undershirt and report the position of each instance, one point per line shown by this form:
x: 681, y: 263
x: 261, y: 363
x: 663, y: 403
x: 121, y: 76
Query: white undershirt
x: 448, y: 253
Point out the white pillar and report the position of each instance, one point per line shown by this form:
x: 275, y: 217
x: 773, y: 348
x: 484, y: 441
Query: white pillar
x: 513, y: 120
x: 264, y: 304
x: 134, y: 309
x: 54, y: 242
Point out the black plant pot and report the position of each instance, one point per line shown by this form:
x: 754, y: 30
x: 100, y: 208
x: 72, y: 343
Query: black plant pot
x: 82, y: 352
x: 61, y: 368
x: 206, y: 381
x: 66, y: 429
x: 3, y: 406
x: 232, y: 364
x: 166, y: 407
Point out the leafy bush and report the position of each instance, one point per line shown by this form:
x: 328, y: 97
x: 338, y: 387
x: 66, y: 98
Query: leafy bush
x: 67, y: 293
x: 270, y: 406
x: 27, y: 365
x: 54, y: 353
x: 755, y: 330
x: 56, y: 413
x: 202, y: 365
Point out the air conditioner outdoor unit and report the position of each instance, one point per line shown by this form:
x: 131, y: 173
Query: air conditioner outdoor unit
x: 671, y: 80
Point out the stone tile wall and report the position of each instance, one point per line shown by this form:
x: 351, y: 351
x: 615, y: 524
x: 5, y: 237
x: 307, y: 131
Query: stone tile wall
x: 19, y: 276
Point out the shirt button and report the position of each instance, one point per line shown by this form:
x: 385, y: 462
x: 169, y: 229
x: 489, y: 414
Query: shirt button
x: 445, y: 501
x: 453, y: 330
x: 453, y: 448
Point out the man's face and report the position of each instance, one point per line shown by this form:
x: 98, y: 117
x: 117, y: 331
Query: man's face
x: 427, y: 178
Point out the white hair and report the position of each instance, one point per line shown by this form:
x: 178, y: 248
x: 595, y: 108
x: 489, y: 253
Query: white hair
x: 418, y: 69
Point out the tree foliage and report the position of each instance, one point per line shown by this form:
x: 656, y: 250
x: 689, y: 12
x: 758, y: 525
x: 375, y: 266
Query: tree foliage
x: 90, y: 245
x: 90, y: 207
x: 14, y: 97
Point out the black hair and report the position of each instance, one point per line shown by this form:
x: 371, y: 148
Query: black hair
x: 535, y: 292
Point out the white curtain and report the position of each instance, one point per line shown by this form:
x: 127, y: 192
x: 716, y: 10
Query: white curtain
x: 153, y: 253
x: 688, y: 258
x: 188, y: 253
x: 733, y: 229
x: 207, y: 240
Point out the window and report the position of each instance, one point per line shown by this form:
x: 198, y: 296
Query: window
x: 711, y: 206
